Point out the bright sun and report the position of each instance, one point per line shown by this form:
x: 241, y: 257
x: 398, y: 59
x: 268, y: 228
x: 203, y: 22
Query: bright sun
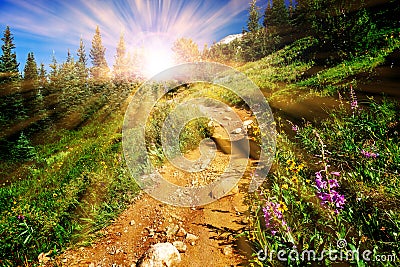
x: 156, y: 60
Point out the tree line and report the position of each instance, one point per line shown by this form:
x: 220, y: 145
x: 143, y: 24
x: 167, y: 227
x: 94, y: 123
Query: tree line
x: 342, y: 29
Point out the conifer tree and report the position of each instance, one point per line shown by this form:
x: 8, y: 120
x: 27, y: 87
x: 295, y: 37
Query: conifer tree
x: 54, y: 71
x: 81, y: 64
x: 39, y: 101
x: 121, y: 66
x: 42, y: 76
x: 186, y: 50
x: 254, y: 17
x: 279, y: 14
x: 31, y: 69
x: 11, y: 103
x: 99, y: 70
x: 267, y: 14
x: 81, y: 53
x: 8, y: 59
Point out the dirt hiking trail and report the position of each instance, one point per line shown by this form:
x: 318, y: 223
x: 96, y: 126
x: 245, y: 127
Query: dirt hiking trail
x: 204, y: 235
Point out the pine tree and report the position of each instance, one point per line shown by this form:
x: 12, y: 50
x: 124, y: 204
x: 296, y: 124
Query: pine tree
x: 254, y: 17
x: 30, y: 69
x: 121, y: 67
x: 69, y: 57
x: 279, y: 14
x: 8, y: 60
x: 42, y: 76
x: 186, y: 50
x: 11, y: 103
x: 81, y: 53
x: 54, y: 71
x: 99, y: 69
x: 39, y: 101
x: 81, y: 64
x: 267, y: 15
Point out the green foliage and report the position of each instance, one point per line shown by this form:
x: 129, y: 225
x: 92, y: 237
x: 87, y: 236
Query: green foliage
x: 81, y: 63
x: 99, y: 70
x: 8, y: 60
x: 22, y: 149
x: 253, y: 23
x: 369, y: 182
x: 276, y: 15
x: 82, y: 175
x: 31, y: 69
x: 121, y: 67
x: 186, y: 50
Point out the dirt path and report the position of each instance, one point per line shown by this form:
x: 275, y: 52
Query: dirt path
x: 148, y: 221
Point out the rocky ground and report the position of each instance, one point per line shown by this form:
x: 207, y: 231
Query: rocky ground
x: 151, y: 233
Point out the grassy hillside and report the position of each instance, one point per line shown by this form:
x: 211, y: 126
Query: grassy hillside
x: 76, y: 181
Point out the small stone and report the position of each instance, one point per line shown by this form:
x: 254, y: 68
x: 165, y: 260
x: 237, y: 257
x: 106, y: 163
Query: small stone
x: 191, y: 237
x: 181, y: 232
x: 132, y: 222
x: 91, y: 264
x: 180, y: 246
x: 227, y: 250
x: 171, y: 230
x: 237, y: 131
x: 247, y: 123
x: 160, y: 255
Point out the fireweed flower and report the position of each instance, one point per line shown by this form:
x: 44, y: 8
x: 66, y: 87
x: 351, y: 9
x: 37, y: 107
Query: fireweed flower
x: 369, y: 154
x: 354, y: 102
x: 327, y: 194
x: 295, y: 128
x: 273, y: 216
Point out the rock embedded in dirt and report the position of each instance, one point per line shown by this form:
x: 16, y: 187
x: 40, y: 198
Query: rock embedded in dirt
x: 180, y: 246
x: 181, y: 232
x: 161, y: 255
x: 171, y: 230
x: 191, y: 237
x: 132, y: 222
x: 228, y: 250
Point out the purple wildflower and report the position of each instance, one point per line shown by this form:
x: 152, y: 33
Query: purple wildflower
x: 273, y: 217
x: 327, y: 194
x: 295, y: 128
x: 21, y: 217
x: 333, y: 183
x: 369, y: 154
x: 354, y: 102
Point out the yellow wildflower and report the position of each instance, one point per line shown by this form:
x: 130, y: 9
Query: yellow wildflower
x: 282, y: 207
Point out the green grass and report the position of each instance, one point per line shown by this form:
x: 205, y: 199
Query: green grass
x: 370, y: 217
x: 75, y: 184
x: 45, y: 210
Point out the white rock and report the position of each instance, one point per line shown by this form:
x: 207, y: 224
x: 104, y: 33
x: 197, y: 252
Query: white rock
x: 191, y: 237
x: 181, y: 232
x: 161, y: 255
x: 171, y: 230
x: 237, y: 131
x: 247, y: 123
x: 132, y: 222
x: 180, y: 246
x: 228, y: 250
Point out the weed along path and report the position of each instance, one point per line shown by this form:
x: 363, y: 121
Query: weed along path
x: 204, y: 235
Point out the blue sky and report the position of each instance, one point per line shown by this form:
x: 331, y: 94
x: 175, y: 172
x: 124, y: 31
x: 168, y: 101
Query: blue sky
x: 43, y: 26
